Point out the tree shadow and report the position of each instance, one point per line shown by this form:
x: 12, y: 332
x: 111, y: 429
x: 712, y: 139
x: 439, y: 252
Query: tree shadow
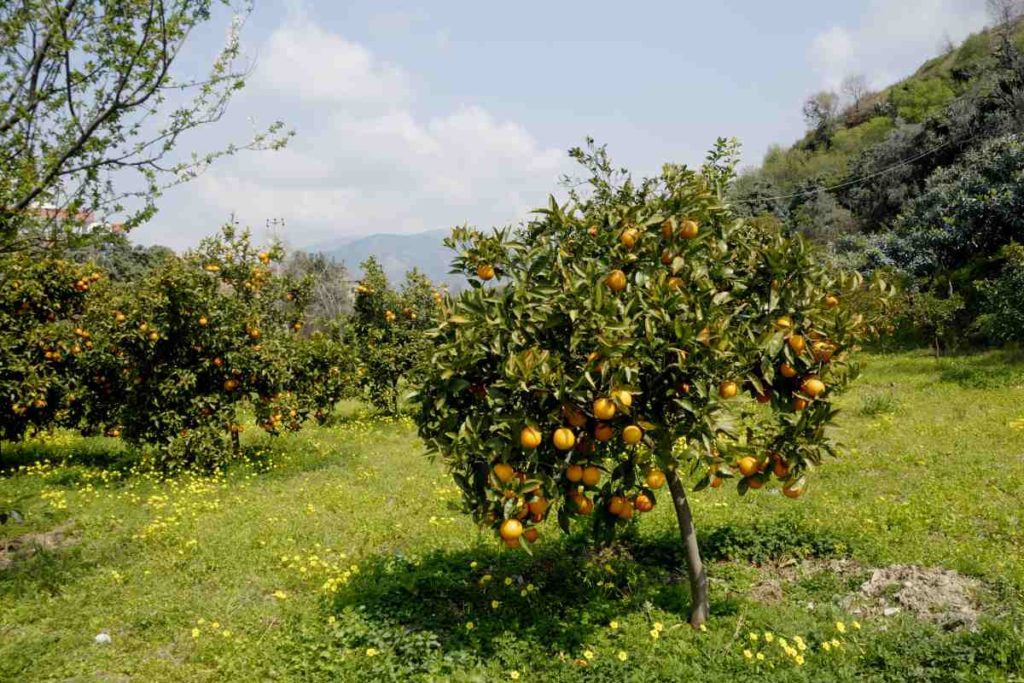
x: 555, y: 598
x: 93, y: 451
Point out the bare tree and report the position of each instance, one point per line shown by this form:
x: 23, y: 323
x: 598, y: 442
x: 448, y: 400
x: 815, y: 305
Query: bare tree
x: 1005, y: 12
x: 87, y: 93
x: 821, y: 112
x: 855, y: 88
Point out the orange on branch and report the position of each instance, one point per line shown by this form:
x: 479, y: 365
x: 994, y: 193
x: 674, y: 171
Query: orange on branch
x: 563, y: 438
x: 530, y: 437
x: 616, y: 281
x: 591, y: 476
x: 689, y: 229
x: 504, y: 472
x: 485, y: 271
x: 574, y: 473
x: 511, y: 529
x: 655, y: 479
x: 632, y: 435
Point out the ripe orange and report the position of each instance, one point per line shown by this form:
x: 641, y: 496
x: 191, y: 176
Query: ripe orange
x: 627, y: 509
x: 530, y: 437
x: 538, y: 506
x: 230, y: 384
x: 511, y: 528
x: 754, y: 482
x: 584, y: 505
x: 603, y: 432
x: 154, y: 336
x: 688, y: 230
x: 780, y: 469
x: 813, y: 387
x: 765, y: 397
x: 783, y: 322
x: 666, y: 257
x: 485, y: 271
x: 822, y: 351
x: 831, y: 301
x: 616, y: 505
x: 632, y: 434
x: 675, y: 283
x: 799, y: 403
x: 655, y: 479
x: 643, y: 502
x: 604, y: 409
x: 786, y: 370
x: 624, y: 397
x: 563, y: 438
x: 592, y: 231
x: 629, y: 238
x: 574, y: 417
x: 264, y: 258
x: 728, y: 389
x: 203, y: 321
x: 512, y: 542
x: 591, y: 476
x: 504, y: 472
x: 792, y: 491
x: 748, y: 465
x: 797, y: 343
x: 574, y: 473
x: 531, y: 535
x: 667, y: 229
x: 716, y: 482
x: 616, y: 281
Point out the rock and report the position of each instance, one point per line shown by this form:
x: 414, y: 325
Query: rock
x: 102, y: 638
x: 890, y: 611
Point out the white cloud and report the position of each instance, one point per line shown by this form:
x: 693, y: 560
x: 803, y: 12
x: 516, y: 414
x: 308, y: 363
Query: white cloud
x: 892, y: 36
x: 364, y: 160
x: 305, y: 61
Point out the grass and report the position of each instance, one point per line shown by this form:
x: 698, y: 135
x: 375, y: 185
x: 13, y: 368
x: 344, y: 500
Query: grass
x: 339, y: 553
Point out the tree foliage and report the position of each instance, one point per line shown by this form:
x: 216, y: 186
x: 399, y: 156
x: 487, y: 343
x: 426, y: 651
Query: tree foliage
x: 630, y: 332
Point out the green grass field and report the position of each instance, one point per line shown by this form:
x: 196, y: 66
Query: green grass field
x: 340, y: 553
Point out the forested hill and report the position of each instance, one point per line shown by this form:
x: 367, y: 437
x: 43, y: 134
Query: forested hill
x: 924, y: 179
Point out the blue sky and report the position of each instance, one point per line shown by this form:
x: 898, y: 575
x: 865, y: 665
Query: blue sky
x: 417, y: 116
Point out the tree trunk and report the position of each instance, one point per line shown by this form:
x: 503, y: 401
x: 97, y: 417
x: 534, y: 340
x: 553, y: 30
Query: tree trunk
x: 694, y: 566
x: 236, y: 444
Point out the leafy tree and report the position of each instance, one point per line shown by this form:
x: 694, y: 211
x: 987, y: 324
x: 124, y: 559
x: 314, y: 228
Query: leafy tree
x: 918, y: 99
x: 331, y: 286
x: 41, y: 302
x: 117, y: 257
x: 821, y: 112
x: 1002, y: 306
x: 88, y: 89
x: 178, y: 352
x: 389, y: 327
x: 629, y: 333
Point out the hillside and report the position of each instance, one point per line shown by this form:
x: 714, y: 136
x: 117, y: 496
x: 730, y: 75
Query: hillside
x: 398, y: 254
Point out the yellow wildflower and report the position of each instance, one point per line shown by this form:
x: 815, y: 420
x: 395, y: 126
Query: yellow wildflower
x: 371, y: 652
x: 622, y: 656
x: 748, y: 654
x: 841, y: 627
x: 613, y: 625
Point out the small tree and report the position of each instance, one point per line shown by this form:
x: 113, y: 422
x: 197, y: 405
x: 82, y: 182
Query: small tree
x: 821, y: 112
x: 638, y: 334
x: 390, y: 328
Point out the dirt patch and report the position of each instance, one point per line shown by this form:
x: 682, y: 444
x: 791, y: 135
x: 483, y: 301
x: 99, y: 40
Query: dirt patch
x: 940, y: 596
x: 26, y: 545
x: 775, y: 575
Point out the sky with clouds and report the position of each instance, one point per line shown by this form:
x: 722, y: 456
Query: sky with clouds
x: 417, y: 116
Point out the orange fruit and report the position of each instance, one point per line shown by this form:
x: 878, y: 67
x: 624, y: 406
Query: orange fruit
x: 563, y: 439
x: 667, y: 257
x: 504, y: 472
x: 616, y: 504
x: 675, y: 283
x: 485, y: 271
x: 591, y: 476
x: 603, y: 432
x: 230, y: 384
x: 655, y: 479
x: 627, y: 509
x: 831, y: 301
x: 765, y: 397
x: 797, y: 343
x: 716, y: 482
x: 592, y: 231
x: 688, y: 230
x: 530, y: 437
x: 604, y: 409
x: 616, y: 281
x: 538, y: 506
x: 668, y: 227
x: 574, y: 417
x: 512, y: 542
x: 624, y: 397
x: 264, y: 258
x: 629, y: 238
x: 780, y: 469
x: 754, y: 482
x: 799, y: 403
x: 822, y: 351
x: 632, y: 434
x: 813, y: 387
x: 786, y: 370
x: 728, y: 389
x: 748, y: 465
x: 574, y: 473
x: 531, y: 535
x: 584, y: 505
x: 784, y: 322
x: 643, y: 502
x: 792, y: 491
x: 511, y: 529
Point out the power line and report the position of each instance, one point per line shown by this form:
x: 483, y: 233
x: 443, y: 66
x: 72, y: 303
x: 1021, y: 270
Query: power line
x: 856, y: 181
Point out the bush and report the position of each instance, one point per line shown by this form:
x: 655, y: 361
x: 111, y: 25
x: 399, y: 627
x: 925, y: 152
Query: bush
x: 1002, y: 299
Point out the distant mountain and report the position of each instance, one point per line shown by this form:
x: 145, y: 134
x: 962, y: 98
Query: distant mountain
x: 398, y: 254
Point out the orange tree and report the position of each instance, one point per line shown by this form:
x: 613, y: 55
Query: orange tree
x: 389, y: 327
x: 636, y: 333
x: 179, y: 351
x: 41, y: 339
